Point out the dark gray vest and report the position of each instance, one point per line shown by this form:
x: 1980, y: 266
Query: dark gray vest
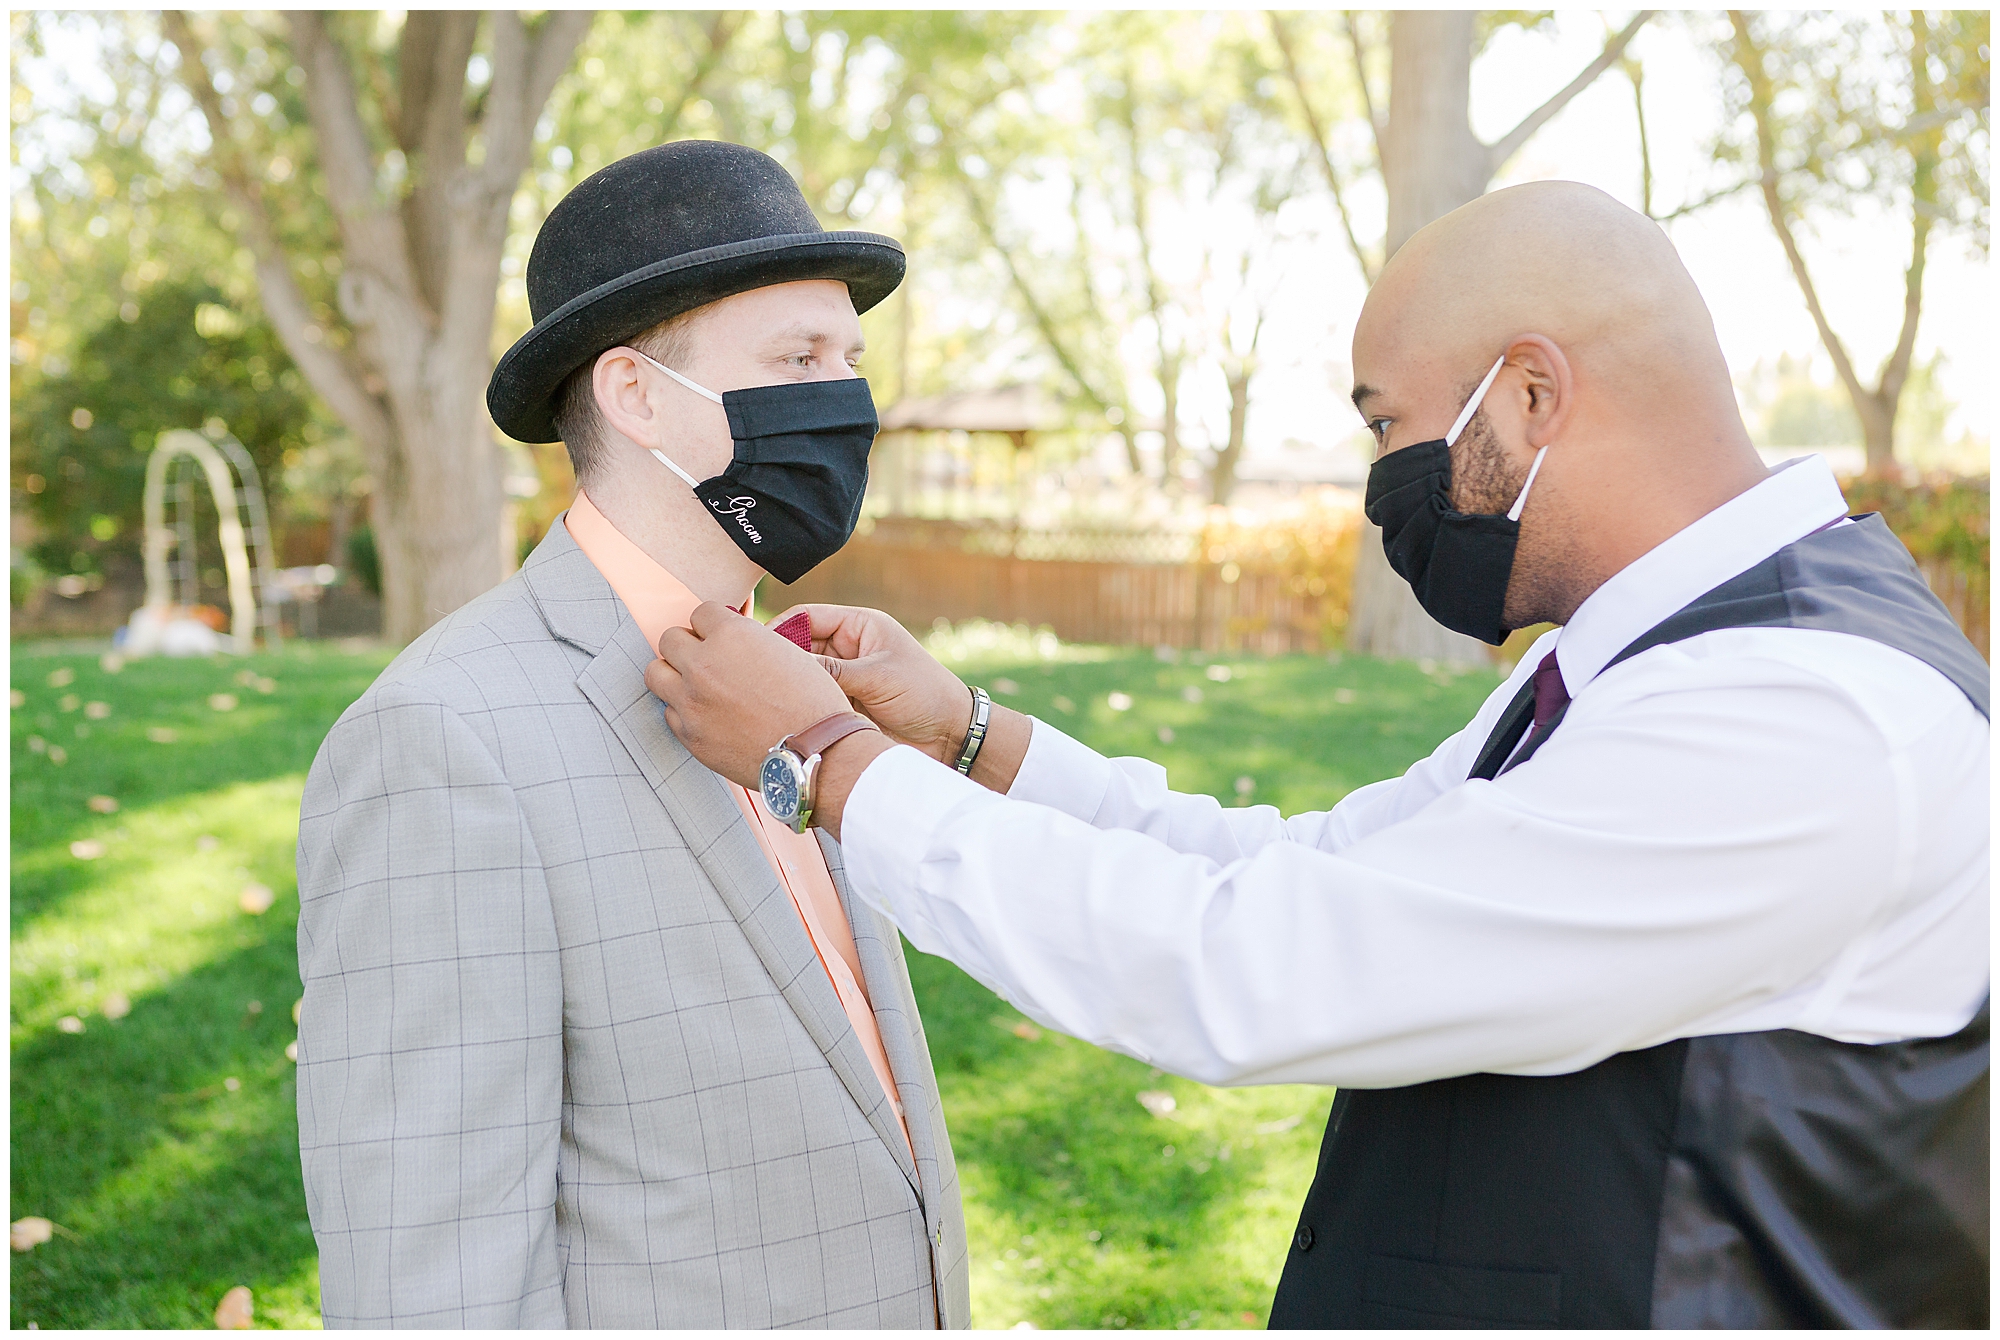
x: 1775, y: 1179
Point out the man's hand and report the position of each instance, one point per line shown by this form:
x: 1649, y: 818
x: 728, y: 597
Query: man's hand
x: 733, y: 688
x: 890, y: 678
x: 902, y: 688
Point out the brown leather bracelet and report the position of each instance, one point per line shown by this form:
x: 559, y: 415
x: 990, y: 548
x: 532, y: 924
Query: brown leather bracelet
x: 823, y: 735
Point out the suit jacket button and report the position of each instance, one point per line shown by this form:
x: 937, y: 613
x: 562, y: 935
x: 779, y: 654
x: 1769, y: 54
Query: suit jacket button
x: 1304, y: 1238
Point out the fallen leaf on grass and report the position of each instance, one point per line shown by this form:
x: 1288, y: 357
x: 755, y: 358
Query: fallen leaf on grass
x: 58, y: 755
x: 236, y: 1311
x: 69, y: 702
x: 245, y: 678
x: 102, y: 805
x: 1119, y: 702
x: 30, y: 1233
x: 1026, y: 1030
x: 69, y: 1023
x: 117, y: 1005
x: 222, y: 702
x: 111, y: 662
x: 296, y: 1006
x: 292, y: 1051
x: 37, y: 745
x: 62, y: 679
x: 256, y: 900
x: 86, y: 849
x: 1006, y: 686
x: 1159, y: 1102
x: 97, y: 711
x: 17, y: 699
x: 162, y: 734
x: 266, y: 686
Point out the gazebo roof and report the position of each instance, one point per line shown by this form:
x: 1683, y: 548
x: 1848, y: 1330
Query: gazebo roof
x: 1017, y: 408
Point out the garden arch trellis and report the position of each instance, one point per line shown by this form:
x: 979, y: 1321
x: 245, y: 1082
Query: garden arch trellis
x: 247, y: 612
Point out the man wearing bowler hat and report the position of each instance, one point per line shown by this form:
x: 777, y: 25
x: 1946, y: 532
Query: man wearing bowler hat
x: 589, y: 1038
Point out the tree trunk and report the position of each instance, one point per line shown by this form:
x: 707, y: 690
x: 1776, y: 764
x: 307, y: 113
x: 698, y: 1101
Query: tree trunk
x: 1222, y: 475
x: 1431, y: 164
x: 419, y: 278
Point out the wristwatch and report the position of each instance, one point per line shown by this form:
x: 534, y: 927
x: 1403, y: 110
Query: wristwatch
x: 786, y: 779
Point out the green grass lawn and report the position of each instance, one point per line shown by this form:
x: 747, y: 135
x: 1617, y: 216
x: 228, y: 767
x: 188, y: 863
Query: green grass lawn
x: 152, y: 1099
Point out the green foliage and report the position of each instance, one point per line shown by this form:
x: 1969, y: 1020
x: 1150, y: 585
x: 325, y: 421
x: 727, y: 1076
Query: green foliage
x: 178, y: 1186
x: 1941, y: 520
x: 176, y: 357
x: 363, y: 559
x: 1851, y: 125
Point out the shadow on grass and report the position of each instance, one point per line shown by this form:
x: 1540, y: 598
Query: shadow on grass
x: 176, y: 1186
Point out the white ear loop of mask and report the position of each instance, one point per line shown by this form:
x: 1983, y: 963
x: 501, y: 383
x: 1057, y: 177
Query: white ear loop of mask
x: 699, y: 390
x: 1465, y: 417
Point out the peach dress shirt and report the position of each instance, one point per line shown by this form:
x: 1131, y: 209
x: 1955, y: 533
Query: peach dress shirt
x: 657, y: 601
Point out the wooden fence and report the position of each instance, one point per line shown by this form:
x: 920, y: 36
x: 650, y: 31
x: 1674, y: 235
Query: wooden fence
x: 1135, y: 590
x: 1107, y: 587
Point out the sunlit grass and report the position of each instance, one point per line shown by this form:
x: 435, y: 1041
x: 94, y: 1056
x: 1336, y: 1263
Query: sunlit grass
x: 152, y: 1106
x: 1085, y: 1207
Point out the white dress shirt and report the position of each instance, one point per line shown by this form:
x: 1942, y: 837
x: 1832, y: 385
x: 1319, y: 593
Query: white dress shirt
x: 1750, y: 829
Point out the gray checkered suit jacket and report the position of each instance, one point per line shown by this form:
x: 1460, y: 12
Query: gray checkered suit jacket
x: 567, y: 1056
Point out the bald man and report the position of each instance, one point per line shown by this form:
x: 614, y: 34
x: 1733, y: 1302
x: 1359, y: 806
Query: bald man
x: 1656, y: 995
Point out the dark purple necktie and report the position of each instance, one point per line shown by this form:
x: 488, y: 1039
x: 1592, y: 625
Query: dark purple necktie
x: 1551, y: 695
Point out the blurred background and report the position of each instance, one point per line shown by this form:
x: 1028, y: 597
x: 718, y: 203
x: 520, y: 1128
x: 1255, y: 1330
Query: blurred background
x: 1118, y: 476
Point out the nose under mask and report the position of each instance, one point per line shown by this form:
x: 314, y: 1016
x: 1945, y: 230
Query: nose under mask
x: 792, y: 495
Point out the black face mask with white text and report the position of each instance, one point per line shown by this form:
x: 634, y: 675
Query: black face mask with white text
x: 792, y: 495
x: 1457, y: 563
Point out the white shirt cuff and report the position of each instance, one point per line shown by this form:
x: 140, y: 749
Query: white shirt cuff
x: 1062, y: 774
x: 896, y: 806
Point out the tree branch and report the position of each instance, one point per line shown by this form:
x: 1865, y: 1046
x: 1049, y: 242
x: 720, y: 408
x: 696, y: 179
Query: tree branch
x: 332, y: 373
x: 1361, y: 81
x: 525, y: 71
x: 1923, y: 193
x: 1750, y: 58
x: 982, y: 215
x: 1284, y: 41
x: 371, y: 230
x: 1722, y: 194
x: 1509, y: 144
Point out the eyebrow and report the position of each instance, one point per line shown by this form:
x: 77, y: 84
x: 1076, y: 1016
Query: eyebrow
x: 1363, y: 392
x: 813, y: 336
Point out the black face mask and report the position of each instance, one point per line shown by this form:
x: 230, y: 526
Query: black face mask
x: 1457, y: 563
x: 792, y: 496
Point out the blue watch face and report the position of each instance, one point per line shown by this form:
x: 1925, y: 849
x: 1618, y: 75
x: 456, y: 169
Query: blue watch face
x: 780, y: 785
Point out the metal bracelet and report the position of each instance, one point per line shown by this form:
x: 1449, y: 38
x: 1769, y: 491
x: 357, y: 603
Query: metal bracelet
x: 975, y: 735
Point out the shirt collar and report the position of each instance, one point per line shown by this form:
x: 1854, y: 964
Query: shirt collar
x: 1797, y: 498
x: 655, y: 598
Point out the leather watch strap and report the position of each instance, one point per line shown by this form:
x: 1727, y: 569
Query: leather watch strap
x: 822, y: 735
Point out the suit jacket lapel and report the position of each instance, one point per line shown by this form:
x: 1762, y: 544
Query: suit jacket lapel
x: 580, y: 607
x: 888, y: 979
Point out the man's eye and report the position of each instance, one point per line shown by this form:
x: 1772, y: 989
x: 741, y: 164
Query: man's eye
x: 1380, y: 427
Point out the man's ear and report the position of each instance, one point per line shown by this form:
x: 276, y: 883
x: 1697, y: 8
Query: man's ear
x: 1547, y: 390
x: 621, y: 395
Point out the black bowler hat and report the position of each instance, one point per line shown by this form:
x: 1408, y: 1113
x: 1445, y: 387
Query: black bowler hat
x: 658, y: 234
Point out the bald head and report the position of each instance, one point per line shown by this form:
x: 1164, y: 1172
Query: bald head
x: 1556, y: 258
x: 1611, y: 362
